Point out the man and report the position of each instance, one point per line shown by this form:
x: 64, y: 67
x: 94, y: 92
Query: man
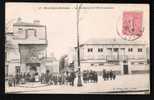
x: 104, y: 74
x: 60, y: 79
x: 114, y: 76
x: 72, y: 77
x: 111, y: 74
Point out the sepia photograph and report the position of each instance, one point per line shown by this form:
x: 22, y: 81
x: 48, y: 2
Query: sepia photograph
x: 77, y: 48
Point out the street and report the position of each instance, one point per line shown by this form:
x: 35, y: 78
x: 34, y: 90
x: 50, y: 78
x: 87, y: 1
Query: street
x: 138, y: 83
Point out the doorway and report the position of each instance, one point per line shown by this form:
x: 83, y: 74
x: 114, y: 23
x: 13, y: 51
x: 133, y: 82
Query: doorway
x: 125, y: 69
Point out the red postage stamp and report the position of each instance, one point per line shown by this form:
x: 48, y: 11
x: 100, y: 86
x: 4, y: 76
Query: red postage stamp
x: 132, y: 27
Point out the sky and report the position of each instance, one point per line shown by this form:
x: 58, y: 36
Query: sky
x: 96, y: 21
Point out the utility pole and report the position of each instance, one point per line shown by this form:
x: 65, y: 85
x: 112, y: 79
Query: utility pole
x: 78, y: 48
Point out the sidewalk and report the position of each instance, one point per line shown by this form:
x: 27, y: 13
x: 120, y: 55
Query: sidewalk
x: 123, y: 83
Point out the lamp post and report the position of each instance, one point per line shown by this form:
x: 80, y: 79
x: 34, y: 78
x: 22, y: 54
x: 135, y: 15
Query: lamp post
x: 78, y: 49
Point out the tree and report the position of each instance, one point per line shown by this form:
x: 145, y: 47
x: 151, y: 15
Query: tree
x: 62, y: 63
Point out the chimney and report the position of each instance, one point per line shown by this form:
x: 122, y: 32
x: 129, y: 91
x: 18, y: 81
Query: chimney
x: 36, y: 22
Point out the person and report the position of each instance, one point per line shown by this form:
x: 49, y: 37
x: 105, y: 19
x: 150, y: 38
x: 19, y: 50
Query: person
x: 63, y: 77
x: 114, y: 76
x: 91, y: 76
x: 22, y: 79
x: 36, y: 77
x: 60, y: 79
x: 41, y: 78
x: 50, y: 79
x: 72, y: 77
x: 111, y: 74
x: 104, y: 74
x: 107, y: 75
x: 10, y: 82
x: 17, y: 79
x: 84, y: 76
x: 55, y: 79
x: 95, y: 77
x: 14, y: 80
x: 28, y: 77
x: 67, y: 78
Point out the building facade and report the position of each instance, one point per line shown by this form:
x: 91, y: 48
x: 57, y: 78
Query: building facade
x: 26, y: 52
x: 121, y: 56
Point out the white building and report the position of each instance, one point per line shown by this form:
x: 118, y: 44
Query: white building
x: 26, y: 51
x: 110, y: 54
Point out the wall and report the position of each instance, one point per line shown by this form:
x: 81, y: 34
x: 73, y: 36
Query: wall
x: 40, y: 32
x: 102, y: 55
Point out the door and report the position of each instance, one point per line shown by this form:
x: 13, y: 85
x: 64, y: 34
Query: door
x: 125, y: 69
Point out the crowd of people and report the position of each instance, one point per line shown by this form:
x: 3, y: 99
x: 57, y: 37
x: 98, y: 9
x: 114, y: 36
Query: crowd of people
x: 109, y: 75
x: 90, y: 76
x: 17, y: 79
x: 64, y: 78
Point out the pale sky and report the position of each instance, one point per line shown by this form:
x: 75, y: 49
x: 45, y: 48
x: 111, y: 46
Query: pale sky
x: 97, y: 22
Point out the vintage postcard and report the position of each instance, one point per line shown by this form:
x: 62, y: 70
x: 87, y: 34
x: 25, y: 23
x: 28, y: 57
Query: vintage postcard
x: 77, y: 48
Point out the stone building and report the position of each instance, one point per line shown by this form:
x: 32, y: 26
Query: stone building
x: 26, y: 51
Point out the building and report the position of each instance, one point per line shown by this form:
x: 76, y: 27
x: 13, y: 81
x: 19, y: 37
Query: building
x: 52, y: 65
x: 121, y: 56
x: 26, y: 48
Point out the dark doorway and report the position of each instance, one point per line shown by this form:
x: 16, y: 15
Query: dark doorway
x: 125, y: 69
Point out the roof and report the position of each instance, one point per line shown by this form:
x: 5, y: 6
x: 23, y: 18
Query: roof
x: 27, y: 24
x: 112, y: 41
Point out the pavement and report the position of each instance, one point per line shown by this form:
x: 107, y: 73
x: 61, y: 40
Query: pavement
x: 124, y: 84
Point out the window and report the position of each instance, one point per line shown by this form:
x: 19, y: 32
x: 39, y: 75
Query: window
x: 109, y: 49
x: 139, y: 49
x: 122, y: 48
x: 31, y: 33
x: 140, y: 63
x: 101, y: 64
x: 100, y: 49
x: 17, y: 69
x: 20, y: 29
x: 132, y: 63
x: 130, y: 49
x: 113, y: 62
x: 92, y: 64
x: 115, y: 49
x: 90, y: 49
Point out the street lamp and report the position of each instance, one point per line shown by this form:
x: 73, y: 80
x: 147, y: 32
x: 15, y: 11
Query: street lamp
x: 78, y: 49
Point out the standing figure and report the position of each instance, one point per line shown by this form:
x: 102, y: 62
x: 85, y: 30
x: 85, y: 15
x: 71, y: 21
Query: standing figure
x: 114, y: 76
x: 72, y: 77
x: 111, y: 75
x: 104, y: 75
x: 107, y: 75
